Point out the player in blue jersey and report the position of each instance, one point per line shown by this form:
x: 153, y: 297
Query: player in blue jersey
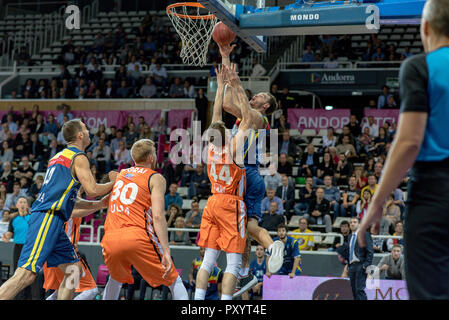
x: 258, y: 268
x: 46, y: 240
x: 292, y: 256
x: 262, y: 104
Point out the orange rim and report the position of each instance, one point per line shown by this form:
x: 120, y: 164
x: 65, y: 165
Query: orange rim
x: 186, y: 16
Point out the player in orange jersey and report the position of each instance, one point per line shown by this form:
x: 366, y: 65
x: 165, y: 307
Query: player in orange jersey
x: 136, y: 229
x: 223, y: 224
x: 54, y: 276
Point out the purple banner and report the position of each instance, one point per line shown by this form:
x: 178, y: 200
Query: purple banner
x: 318, y: 119
x: 322, y: 288
x: 179, y: 119
x: 381, y: 115
x: 108, y: 117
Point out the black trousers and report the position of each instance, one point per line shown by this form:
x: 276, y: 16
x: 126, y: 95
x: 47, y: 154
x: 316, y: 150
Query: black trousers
x: 357, y: 276
x: 426, y: 232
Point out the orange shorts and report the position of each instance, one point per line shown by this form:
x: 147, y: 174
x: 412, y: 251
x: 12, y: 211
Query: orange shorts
x: 136, y: 247
x: 223, y: 224
x: 54, y: 276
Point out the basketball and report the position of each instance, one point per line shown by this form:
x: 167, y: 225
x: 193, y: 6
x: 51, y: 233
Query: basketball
x: 222, y: 35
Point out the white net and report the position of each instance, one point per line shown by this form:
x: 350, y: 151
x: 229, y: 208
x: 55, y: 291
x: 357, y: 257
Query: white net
x: 195, y: 33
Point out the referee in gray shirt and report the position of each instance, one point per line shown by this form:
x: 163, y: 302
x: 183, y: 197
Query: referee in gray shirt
x: 393, y: 264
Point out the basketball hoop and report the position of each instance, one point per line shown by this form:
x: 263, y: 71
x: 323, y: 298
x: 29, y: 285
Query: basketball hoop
x: 194, y: 24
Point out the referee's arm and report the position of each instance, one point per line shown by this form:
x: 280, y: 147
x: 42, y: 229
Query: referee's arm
x: 406, y: 145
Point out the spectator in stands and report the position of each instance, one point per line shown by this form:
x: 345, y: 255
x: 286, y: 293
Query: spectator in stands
x: 95, y: 75
x: 306, y: 194
x: 347, y: 148
x: 363, y: 203
x: 287, y: 100
x: 65, y: 112
x: 121, y: 74
x: 378, y: 55
x: 382, y: 100
x: 373, y: 128
x: 146, y: 132
x: 283, y: 126
x: 258, y: 69
x: 286, y: 193
x: 325, y: 168
x: 332, y: 194
x: 131, y: 135
x: 7, y: 176
x: 189, y: 90
x: 292, y: 255
x: 393, y: 264
x: 332, y: 63
x: 102, y: 155
x: 115, y: 142
x: 180, y: 237
x: 12, y: 198
x: 172, y: 213
x: 345, y: 232
x: 3, y: 193
x: 309, y: 162
x: 378, y: 166
x: 193, y: 217
x: 274, y: 179
x: 305, y: 242
x: 271, y: 219
x: 309, y: 55
x: 391, y: 215
x: 25, y: 170
x: 109, y: 91
x: 6, y: 153
x: 124, y: 91
x: 350, y: 198
x: 160, y: 129
x: 354, y: 126
x: 271, y: 197
x: 199, y: 183
x: 275, y: 91
x: 4, y: 132
x: 82, y: 85
x: 173, y: 196
x: 380, y: 142
x: 12, y: 124
x: 159, y: 75
x: 398, y: 232
x: 319, y: 210
x: 122, y: 155
x: 148, y: 90
x: 372, y: 184
x: 177, y: 89
x: 37, y: 151
x: 136, y: 76
x: 329, y: 140
x: 35, y: 188
x: 343, y: 171
x: 28, y: 87
x: 284, y: 166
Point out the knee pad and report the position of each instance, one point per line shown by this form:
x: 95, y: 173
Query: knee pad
x: 209, y: 260
x: 233, y: 263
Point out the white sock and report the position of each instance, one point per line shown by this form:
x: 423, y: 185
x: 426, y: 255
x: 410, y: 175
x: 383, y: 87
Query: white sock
x: 243, y: 272
x: 178, y: 291
x: 53, y: 296
x: 200, y: 294
x: 112, y: 290
x: 226, y: 297
x: 87, y: 295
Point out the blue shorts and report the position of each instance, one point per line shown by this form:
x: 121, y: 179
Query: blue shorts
x: 285, y: 271
x: 46, y: 241
x: 255, y: 193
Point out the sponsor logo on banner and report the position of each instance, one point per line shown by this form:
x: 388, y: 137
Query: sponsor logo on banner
x: 318, y: 119
x: 332, y: 78
x: 305, y: 17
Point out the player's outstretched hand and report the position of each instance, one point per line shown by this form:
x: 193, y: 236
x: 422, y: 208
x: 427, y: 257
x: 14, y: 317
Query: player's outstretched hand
x: 373, y: 216
x: 220, y: 70
x: 167, y: 264
x: 232, y: 76
x: 226, y: 50
x: 112, y: 175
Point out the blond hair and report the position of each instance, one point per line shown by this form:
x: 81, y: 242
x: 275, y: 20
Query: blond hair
x: 141, y: 149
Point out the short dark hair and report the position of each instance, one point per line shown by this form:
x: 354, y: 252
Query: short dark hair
x: 344, y: 222
x: 70, y: 129
x: 280, y: 226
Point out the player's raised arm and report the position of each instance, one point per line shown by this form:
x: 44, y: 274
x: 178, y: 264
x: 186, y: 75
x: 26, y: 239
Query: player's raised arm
x: 239, y: 139
x: 217, y: 114
x: 157, y: 189
x: 93, y: 189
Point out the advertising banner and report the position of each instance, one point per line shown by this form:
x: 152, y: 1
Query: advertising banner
x: 318, y: 119
x: 381, y: 115
x: 323, y: 288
